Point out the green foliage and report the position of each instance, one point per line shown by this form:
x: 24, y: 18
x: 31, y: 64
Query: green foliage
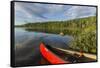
x: 83, y: 30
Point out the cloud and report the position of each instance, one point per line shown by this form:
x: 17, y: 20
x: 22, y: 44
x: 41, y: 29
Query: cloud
x: 55, y: 10
x: 36, y: 12
x: 80, y: 11
x: 29, y: 10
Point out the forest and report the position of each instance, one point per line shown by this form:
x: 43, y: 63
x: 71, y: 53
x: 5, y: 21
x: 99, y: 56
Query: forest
x: 83, y: 31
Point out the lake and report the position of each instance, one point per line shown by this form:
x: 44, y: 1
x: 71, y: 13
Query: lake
x: 27, y: 45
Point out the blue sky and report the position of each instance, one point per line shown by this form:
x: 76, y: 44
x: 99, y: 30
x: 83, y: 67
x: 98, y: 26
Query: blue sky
x: 36, y: 12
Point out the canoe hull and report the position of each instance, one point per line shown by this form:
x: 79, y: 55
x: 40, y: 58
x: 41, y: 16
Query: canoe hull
x: 50, y: 56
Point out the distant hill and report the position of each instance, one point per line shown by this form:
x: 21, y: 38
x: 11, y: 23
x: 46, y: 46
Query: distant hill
x: 82, y: 29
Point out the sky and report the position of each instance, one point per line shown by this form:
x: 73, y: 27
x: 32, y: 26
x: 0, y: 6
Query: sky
x: 38, y: 12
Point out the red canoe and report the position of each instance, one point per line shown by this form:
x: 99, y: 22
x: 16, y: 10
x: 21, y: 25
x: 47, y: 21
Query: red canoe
x: 50, y: 56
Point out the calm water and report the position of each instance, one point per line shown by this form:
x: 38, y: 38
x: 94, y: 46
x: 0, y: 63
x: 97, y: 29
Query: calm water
x: 27, y: 45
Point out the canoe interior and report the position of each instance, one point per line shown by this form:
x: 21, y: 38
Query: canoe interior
x: 73, y: 58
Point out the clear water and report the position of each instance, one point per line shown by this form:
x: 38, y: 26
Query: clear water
x: 27, y: 45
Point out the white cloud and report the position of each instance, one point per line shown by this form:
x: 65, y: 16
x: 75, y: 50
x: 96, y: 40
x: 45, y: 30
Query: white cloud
x: 29, y: 10
x: 80, y: 11
x: 46, y: 12
x: 19, y: 7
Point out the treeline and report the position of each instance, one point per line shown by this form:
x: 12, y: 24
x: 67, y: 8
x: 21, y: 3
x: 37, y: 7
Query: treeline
x: 83, y: 30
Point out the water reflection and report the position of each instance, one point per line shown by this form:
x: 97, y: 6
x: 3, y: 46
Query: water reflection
x: 27, y: 45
